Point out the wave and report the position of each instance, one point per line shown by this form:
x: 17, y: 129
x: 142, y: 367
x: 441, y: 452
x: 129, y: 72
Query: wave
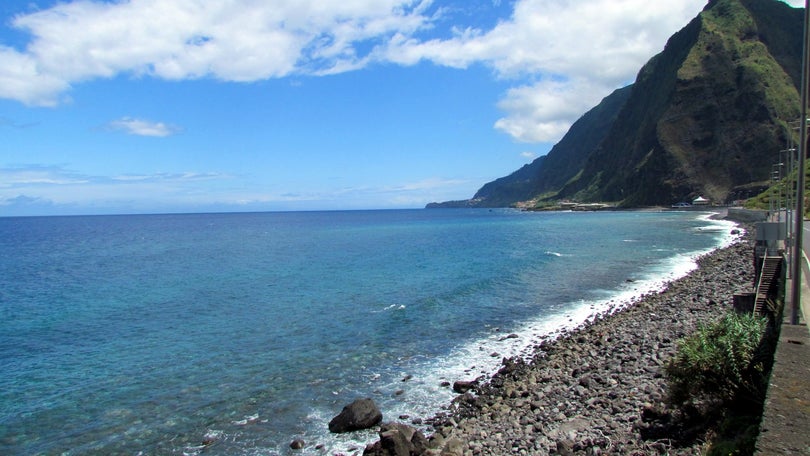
x: 427, y: 389
x: 391, y: 307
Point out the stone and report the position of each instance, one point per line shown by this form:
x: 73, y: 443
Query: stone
x: 397, y: 439
x: 297, y: 444
x: 462, y: 386
x: 360, y: 414
x: 394, y: 443
x: 591, y: 391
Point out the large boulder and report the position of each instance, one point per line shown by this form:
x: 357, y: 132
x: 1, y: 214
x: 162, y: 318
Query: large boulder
x: 360, y: 414
x: 397, y: 439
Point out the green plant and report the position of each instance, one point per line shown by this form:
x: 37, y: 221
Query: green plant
x: 720, y: 362
x: 737, y: 435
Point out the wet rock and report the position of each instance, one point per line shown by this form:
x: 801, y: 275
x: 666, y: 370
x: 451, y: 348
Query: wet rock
x: 462, y: 386
x: 297, y: 444
x: 598, y: 390
x: 360, y: 414
x: 397, y: 439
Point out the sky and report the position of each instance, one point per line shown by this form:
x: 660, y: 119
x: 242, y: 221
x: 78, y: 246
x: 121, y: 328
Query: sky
x: 158, y: 106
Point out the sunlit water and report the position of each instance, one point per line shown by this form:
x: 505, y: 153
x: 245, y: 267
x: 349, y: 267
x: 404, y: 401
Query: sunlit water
x: 144, y: 334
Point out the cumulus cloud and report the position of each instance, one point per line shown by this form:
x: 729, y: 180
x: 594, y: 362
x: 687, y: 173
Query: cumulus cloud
x: 544, y: 111
x: 23, y: 80
x: 243, y: 40
x: 563, y: 56
x: 141, y: 127
x: 574, y: 52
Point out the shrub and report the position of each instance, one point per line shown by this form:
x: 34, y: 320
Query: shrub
x: 721, y: 362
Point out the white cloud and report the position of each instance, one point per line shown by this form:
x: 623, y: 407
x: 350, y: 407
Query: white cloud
x: 576, y: 52
x: 56, y: 185
x: 141, y: 127
x: 244, y: 40
x: 26, y: 188
x: 36, y: 175
x: 562, y: 55
x: 21, y: 79
x: 544, y: 111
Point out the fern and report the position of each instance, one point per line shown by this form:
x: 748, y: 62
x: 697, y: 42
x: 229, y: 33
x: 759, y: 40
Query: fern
x: 719, y: 361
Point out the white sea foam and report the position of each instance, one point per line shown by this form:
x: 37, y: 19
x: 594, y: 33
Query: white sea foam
x: 424, y: 394
x: 419, y: 393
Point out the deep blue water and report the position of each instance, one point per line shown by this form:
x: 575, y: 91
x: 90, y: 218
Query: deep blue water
x: 141, y: 334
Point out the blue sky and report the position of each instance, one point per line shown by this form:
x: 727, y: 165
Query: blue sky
x: 146, y: 106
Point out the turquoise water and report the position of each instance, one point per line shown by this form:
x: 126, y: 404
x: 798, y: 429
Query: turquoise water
x: 142, y: 334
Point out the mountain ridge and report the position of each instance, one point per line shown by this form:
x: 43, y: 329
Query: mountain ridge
x: 706, y: 116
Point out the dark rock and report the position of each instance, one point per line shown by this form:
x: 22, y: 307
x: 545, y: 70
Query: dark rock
x: 360, y: 414
x: 596, y: 390
x: 394, y: 443
x: 565, y: 447
x: 397, y: 439
x: 462, y: 386
x: 297, y: 444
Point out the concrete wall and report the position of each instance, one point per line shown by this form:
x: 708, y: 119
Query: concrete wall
x: 739, y: 214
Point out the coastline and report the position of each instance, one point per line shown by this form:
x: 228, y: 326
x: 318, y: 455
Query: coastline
x: 598, y: 388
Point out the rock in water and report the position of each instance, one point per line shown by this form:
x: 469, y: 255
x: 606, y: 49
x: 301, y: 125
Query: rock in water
x: 360, y: 414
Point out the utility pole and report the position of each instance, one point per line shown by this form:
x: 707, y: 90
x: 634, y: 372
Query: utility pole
x: 796, y: 294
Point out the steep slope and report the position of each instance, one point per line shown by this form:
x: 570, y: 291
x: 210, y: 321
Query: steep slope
x: 550, y: 172
x: 708, y: 115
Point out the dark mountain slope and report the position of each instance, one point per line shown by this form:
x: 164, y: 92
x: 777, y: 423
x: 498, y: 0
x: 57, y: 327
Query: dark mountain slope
x: 629, y: 159
x: 550, y: 172
x: 708, y: 115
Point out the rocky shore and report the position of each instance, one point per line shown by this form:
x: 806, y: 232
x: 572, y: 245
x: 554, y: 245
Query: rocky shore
x: 599, y: 390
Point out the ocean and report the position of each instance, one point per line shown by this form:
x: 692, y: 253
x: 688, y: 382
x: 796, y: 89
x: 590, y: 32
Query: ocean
x: 148, y: 334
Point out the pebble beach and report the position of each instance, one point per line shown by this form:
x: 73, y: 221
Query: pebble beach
x: 598, y: 390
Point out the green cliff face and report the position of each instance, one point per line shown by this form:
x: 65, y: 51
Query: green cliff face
x: 707, y: 116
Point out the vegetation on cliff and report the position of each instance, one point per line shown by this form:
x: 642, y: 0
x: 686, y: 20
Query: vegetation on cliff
x: 707, y: 116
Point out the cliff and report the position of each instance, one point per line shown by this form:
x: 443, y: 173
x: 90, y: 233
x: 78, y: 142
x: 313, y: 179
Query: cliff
x: 707, y: 116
